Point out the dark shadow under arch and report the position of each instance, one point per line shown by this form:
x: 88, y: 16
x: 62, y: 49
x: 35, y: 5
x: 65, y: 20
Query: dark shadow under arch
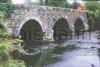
x: 79, y: 26
x: 31, y: 33
x: 91, y: 23
x: 61, y: 30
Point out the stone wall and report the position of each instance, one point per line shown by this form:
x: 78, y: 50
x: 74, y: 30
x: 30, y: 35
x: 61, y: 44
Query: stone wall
x: 45, y: 15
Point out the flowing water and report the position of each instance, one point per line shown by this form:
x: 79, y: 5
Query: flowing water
x: 80, y: 51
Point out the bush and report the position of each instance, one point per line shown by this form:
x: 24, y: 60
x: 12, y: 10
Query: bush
x: 6, y: 50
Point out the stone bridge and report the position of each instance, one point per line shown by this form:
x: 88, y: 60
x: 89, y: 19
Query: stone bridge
x: 29, y: 21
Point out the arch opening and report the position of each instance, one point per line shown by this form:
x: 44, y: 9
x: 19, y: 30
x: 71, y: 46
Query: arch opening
x: 61, y: 30
x: 31, y: 34
x: 91, y: 23
x: 79, y: 26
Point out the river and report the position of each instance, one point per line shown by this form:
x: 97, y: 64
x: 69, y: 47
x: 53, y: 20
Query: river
x: 79, y: 51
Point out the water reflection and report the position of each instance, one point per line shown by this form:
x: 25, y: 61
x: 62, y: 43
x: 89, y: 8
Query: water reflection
x: 99, y: 44
x: 85, y: 56
x: 99, y: 54
x: 79, y: 53
x: 40, y: 60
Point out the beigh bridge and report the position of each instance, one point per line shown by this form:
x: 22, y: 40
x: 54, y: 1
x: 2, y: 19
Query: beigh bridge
x: 33, y: 22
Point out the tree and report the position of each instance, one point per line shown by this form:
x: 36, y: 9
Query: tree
x: 92, y: 5
x: 56, y: 3
x: 42, y: 2
x: 6, y: 7
x: 68, y: 5
x: 74, y: 5
x: 93, y: 8
x: 7, y: 43
x: 1, y: 16
x: 4, y: 1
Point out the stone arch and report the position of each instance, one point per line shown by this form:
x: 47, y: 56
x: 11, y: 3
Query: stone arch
x: 91, y: 23
x: 31, y: 33
x: 61, y: 29
x: 79, y: 26
x: 20, y: 24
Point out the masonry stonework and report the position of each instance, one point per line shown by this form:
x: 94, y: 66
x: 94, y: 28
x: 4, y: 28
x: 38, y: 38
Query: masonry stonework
x: 46, y: 16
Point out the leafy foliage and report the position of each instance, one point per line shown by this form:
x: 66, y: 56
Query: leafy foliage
x: 4, y: 1
x: 6, y: 49
x: 92, y: 5
x: 7, y: 43
x: 1, y: 16
x: 74, y: 5
x: 93, y: 8
x: 56, y: 3
x: 61, y: 3
x: 7, y: 9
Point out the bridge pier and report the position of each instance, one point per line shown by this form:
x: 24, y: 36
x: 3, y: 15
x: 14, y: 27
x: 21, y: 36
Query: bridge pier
x: 48, y: 35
